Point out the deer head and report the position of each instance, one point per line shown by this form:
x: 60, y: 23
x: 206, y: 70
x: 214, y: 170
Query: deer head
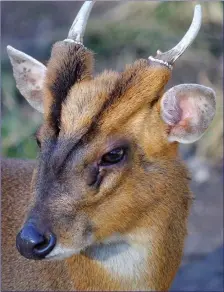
x: 108, y: 143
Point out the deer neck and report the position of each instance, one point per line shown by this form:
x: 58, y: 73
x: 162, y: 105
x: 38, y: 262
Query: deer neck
x: 119, y: 263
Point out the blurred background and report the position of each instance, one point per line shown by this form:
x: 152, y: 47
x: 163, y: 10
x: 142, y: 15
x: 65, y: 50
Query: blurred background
x: 119, y: 33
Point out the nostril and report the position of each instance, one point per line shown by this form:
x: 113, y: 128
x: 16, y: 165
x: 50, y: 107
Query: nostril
x: 34, y: 245
x: 45, y: 247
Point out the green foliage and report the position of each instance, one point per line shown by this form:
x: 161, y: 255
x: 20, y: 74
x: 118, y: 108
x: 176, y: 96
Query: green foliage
x: 18, y: 126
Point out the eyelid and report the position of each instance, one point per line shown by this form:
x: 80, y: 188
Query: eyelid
x: 115, y: 146
x: 114, y: 143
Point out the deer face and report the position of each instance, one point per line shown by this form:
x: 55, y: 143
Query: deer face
x: 108, y: 145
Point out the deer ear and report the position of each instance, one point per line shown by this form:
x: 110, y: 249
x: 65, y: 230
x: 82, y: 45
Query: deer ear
x: 29, y: 75
x: 188, y: 109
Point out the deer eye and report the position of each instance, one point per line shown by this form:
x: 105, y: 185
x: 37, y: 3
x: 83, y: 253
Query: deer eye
x: 112, y: 157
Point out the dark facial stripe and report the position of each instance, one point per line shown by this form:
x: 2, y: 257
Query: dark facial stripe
x: 69, y: 63
x: 122, y: 84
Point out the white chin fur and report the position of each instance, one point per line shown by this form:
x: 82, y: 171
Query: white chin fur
x: 60, y: 253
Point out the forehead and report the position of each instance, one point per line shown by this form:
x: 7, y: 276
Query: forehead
x: 85, y: 101
x: 108, y: 100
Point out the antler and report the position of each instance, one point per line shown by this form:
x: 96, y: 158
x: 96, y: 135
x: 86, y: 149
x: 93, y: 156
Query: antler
x: 172, y: 55
x: 78, y: 27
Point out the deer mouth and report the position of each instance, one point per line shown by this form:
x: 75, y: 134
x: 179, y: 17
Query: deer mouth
x: 59, y: 252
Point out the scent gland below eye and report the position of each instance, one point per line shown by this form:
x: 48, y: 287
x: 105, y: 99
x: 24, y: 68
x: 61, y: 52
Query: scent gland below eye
x: 113, y: 157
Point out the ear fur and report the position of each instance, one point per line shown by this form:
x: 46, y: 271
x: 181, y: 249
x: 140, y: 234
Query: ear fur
x: 188, y: 110
x: 29, y: 75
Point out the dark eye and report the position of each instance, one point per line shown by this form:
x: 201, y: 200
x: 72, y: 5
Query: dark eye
x: 112, y: 157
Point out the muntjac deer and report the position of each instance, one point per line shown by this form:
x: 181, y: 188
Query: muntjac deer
x: 109, y: 198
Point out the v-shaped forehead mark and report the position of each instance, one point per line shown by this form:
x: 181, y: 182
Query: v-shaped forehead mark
x: 85, y: 101
x: 110, y: 96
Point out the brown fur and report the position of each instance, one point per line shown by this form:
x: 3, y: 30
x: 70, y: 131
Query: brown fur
x: 145, y: 198
x: 69, y: 63
x: 85, y: 273
x: 18, y: 273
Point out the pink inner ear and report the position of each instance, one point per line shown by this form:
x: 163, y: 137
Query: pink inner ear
x: 182, y: 114
x: 189, y: 120
x: 188, y: 110
x: 179, y: 110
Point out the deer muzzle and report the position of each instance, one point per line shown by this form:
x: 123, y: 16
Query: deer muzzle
x: 34, y: 244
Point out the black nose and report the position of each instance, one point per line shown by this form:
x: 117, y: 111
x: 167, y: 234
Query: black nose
x: 34, y: 245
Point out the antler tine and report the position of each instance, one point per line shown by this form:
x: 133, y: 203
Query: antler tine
x: 172, y: 55
x: 77, y: 29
